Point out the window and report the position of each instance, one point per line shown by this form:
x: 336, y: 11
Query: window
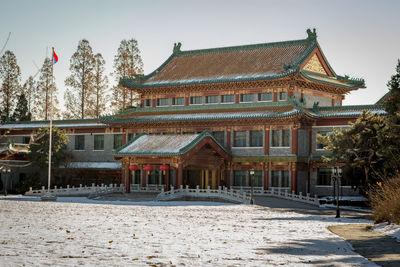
x: 131, y: 136
x: 196, y: 100
x: 117, y: 141
x: 285, y: 138
x: 265, y: 97
x: 256, y: 138
x: 26, y: 139
x: 282, y: 96
x: 246, y: 98
x: 280, y: 138
x: 162, y: 102
x: 280, y: 179
x: 239, y: 139
x: 211, y: 99
x: 98, y: 142
x: 178, y: 101
x: 258, y: 179
x: 147, y: 102
x: 227, y: 98
x: 219, y: 136
x: 324, y: 176
x: 323, y: 133
x: 79, y: 142
x: 239, y: 178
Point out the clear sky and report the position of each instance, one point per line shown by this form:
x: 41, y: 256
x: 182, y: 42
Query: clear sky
x: 359, y: 38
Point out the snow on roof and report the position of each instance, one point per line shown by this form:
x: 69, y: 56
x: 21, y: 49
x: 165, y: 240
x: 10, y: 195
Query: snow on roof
x: 95, y: 165
x: 159, y: 143
x: 222, y: 115
x: 40, y: 125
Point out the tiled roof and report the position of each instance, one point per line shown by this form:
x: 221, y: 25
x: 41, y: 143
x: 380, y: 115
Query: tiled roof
x: 347, y: 111
x: 14, y: 148
x: 234, y: 64
x: 59, y: 124
x: 384, y: 98
x: 175, y: 144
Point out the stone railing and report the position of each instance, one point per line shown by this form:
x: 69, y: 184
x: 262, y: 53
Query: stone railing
x: 290, y: 196
x: 78, y: 191
x: 224, y: 194
x: 148, y: 188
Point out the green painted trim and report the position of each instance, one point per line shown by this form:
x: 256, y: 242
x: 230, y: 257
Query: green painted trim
x: 268, y: 158
x: 54, y: 121
x: 157, y: 110
x: 353, y: 107
x: 353, y: 83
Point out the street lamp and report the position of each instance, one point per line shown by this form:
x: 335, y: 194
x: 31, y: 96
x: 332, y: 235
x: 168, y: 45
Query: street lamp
x: 336, y: 176
x: 251, y: 184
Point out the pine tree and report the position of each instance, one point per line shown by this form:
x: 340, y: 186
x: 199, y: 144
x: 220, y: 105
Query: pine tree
x: 392, y: 106
x: 46, y: 89
x: 100, y: 86
x: 29, y: 89
x: 10, y: 76
x: 79, y: 100
x: 127, y: 64
x: 21, y: 112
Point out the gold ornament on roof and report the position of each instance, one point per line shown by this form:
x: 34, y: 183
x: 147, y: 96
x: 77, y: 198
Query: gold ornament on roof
x: 315, y: 65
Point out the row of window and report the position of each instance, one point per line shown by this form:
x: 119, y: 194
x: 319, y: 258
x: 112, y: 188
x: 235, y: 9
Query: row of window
x: 278, y: 179
x: 98, y: 142
x: 198, y: 100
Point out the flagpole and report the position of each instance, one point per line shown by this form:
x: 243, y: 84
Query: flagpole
x: 50, y: 115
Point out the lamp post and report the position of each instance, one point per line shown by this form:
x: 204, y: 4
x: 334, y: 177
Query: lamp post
x: 336, y: 176
x: 251, y: 185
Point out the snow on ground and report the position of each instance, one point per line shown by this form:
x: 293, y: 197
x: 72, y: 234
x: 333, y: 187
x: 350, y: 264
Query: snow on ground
x: 392, y: 230
x: 75, y: 231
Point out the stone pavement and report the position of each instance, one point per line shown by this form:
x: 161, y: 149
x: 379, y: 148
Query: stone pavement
x: 381, y: 249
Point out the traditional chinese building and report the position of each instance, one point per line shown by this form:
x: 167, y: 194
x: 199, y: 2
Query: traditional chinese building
x: 209, y: 117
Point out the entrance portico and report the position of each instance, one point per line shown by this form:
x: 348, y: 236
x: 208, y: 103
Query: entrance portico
x: 190, y: 159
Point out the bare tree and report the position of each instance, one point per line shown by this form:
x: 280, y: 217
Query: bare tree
x: 10, y: 76
x: 79, y: 99
x: 127, y: 64
x: 100, y: 86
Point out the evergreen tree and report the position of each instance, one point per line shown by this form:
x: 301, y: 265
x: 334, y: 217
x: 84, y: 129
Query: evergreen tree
x: 127, y: 64
x: 10, y: 77
x: 29, y: 89
x: 46, y: 89
x: 79, y: 100
x: 21, y: 112
x: 100, y: 86
x: 392, y: 105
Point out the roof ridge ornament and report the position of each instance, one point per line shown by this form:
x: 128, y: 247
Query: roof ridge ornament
x: 177, y: 48
x: 312, y: 35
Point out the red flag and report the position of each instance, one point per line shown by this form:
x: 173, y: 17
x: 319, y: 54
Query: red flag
x: 55, y: 57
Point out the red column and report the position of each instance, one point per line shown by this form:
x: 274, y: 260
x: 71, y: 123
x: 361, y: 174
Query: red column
x: 295, y: 141
x: 294, y: 181
x: 265, y: 179
x: 228, y: 139
x: 180, y: 176
x: 128, y: 181
x: 154, y: 103
x: 266, y: 142
x: 186, y: 101
x: 236, y: 98
x: 275, y: 96
x: 124, y: 138
x: 167, y: 182
x: 144, y: 173
x: 142, y: 103
x: 122, y: 181
x: 333, y: 102
x: 228, y: 178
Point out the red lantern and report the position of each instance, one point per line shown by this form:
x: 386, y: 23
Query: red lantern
x: 148, y: 168
x: 164, y: 168
x: 133, y: 168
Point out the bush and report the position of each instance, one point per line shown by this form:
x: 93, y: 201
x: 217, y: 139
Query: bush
x: 385, y: 200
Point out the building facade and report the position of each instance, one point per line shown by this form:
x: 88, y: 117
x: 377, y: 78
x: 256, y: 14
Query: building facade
x: 209, y: 117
